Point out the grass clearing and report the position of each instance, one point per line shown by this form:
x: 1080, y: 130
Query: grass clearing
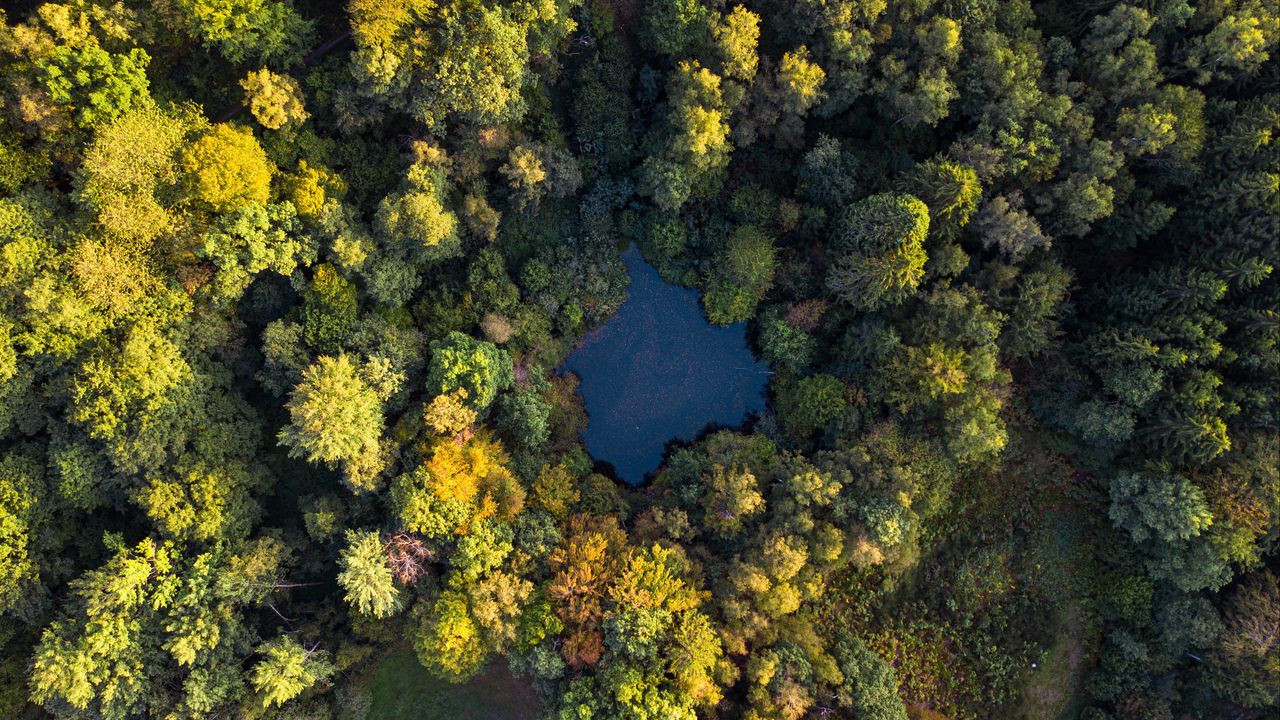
x: 401, y: 689
x: 1054, y: 691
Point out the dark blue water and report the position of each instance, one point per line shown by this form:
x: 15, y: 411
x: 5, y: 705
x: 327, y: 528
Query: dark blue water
x: 658, y: 370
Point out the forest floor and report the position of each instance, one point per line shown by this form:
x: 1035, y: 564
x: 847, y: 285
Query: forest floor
x: 401, y: 689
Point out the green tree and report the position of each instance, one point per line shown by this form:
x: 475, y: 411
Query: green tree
x: 23, y: 508
x: 1240, y: 41
x: 490, y: 284
x: 253, y: 239
x: 120, y: 393
x: 950, y: 190
x: 479, y: 367
x: 365, y: 574
x: 1033, y: 318
x: 732, y: 496
x: 1170, y: 519
x: 130, y: 175
x: 448, y: 641
x: 918, y: 97
x: 948, y: 368
x: 828, y: 174
x: 201, y: 501
x: 736, y: 39
x: 335, y: 417
x: 329, y: 310
x: 799, y: 81
x: 666, y: 182
x: 460, y: 60
x: 783, y: 344
x: 247, y: 31
x: 524, y: 420
x: 286, y: 670
x: 810, y: 403
x: 152, y: 631
x: 876, y: 255
x: 1245, y: 658
x: 106, y: 637
x: 227, y: 169
x: 742, y: 274
x: 417, y: 218
x: 676, y: 28
x: 697, y: 146
x: 870, y: 688
x: 275, y: 100
x: 99, y: 85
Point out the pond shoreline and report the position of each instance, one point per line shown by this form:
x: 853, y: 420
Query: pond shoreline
x: 659, y: 372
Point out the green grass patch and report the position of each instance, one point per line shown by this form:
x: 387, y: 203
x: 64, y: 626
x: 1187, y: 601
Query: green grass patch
x: 1055, y: 689
x: 400, y: 689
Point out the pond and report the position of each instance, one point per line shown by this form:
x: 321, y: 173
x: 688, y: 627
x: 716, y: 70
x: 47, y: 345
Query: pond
x: 659, y: 371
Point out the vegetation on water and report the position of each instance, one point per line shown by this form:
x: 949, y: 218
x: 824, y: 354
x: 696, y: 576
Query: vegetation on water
x: 284, y: 285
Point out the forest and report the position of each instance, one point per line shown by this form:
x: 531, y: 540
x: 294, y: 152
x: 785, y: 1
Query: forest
x: 286, y: 288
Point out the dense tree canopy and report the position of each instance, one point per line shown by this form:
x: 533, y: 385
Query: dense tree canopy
x: 286, y: 289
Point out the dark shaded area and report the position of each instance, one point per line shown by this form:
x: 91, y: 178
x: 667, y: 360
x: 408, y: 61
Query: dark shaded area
x: 657, y: 371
